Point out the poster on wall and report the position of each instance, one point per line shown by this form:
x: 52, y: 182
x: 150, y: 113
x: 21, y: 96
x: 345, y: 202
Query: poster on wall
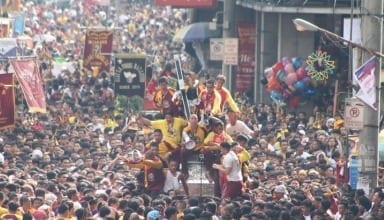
x: 246, y: 65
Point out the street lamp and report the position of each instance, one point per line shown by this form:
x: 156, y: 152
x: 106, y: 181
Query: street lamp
x: 303, y: 25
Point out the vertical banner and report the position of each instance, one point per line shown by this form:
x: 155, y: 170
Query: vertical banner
x: 7, y: 101
x: 18, y: 24
x: 365, y: 76
x: 246, y: 65
x: 28, y: 75
x: 8, y: 46
x: 130, y: 74
x: 150, y: 89
x: 97, y: 51
x: 4, y: 27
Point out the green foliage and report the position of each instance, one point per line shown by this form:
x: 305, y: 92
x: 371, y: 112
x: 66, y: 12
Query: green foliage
x: 130, y: 104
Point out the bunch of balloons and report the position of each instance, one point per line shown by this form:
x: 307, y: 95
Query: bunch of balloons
x: 288, y: 81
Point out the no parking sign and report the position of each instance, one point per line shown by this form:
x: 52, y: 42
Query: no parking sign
x: 354, y: 114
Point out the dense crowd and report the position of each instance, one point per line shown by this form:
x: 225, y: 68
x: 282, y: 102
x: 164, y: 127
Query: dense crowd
x: 88, y: 159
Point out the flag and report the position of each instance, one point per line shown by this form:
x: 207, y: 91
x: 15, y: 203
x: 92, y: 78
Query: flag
x: 18, y: 24
x: 97, y: 51
x: 365, y: 76
x: 8, y: 46
x: 28, y: 75
x: 130, y: 74
x: 10, y: 5
x: 4, y: 27
x: 7, y: 101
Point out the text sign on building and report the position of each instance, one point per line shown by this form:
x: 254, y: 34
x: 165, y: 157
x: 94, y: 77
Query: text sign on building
x: 216, y: 48
x: 354, y: 114
x: 231, y: 51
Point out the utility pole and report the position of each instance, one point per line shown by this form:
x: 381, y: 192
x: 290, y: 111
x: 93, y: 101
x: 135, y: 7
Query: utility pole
x: 371, y: 29
x: 229, y: 30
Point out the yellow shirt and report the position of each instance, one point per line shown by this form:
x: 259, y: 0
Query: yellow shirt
x: 3, y: 211
x: 164, y: 148
x: 198, y: 136
x: 172, y: 133
x: 217, y: 138
x: 226, y: 98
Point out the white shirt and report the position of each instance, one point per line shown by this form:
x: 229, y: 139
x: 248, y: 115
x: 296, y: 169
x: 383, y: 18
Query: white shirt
x: 171, y: 182
x: 238, y: 128
x: 231, y: 160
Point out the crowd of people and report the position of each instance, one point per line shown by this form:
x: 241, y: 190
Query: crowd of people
x: 87, y: 159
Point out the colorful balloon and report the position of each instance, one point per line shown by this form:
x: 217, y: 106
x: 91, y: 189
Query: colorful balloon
x: 276, y: 95
x: 301, y: 73
x: 291, y: 78
x: 299, y: 85
x: 281, y: 76
x: 307, y: 80
x: 268, y: 72
x: 278, y: 66
x: 272, y: 84
x: 297, y: 62
x: 285, y: 60
x: 289, y: 68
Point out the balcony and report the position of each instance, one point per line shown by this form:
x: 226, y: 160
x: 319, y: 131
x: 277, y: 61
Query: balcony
x: 303, y: 6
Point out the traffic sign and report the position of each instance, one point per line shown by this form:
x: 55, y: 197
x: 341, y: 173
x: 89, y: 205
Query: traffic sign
x: 354, y: 114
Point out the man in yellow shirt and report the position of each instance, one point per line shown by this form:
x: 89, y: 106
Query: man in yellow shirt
x: 171, y: 127
x: 226, y: 97
x: 165, y: 148
x: 2, y: 209
x: 12, y: 210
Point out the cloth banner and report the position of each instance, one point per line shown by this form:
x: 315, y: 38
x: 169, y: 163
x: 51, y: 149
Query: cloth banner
x: 8, y: 46
x: 365, y: 76
x: 4, y: 27
x: 18, y: 24
x: 28, y: 75
x: 10, y: 5
x: 97, y: 51
x: 246, y: 64
x: 7, y: 101
x: 130, y: 74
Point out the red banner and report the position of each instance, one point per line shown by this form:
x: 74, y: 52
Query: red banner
x: 28, y: 75
x: 7, y: 101
x: 246, y: 65
x: 187, y: 4
x: 4, y: 27
x: 97, y: 51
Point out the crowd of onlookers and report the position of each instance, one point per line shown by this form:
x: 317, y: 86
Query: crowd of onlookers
x: 89, y: 159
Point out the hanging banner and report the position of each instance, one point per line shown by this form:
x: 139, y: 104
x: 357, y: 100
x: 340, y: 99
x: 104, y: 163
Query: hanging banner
x: 18, y: 24
x: 130, y: 74
x: 150, y: 89
x: 7, y: 101
x: 365, y: 76
x: 246, y: 64
x: 8, y: 46
x: 28, y: 75
x: 4, y: 27
x: 10, y: 5
x: 97, y: 51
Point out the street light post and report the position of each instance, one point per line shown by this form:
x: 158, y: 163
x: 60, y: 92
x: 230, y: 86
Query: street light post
x: 368, y: 154
x: 303, y: 25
